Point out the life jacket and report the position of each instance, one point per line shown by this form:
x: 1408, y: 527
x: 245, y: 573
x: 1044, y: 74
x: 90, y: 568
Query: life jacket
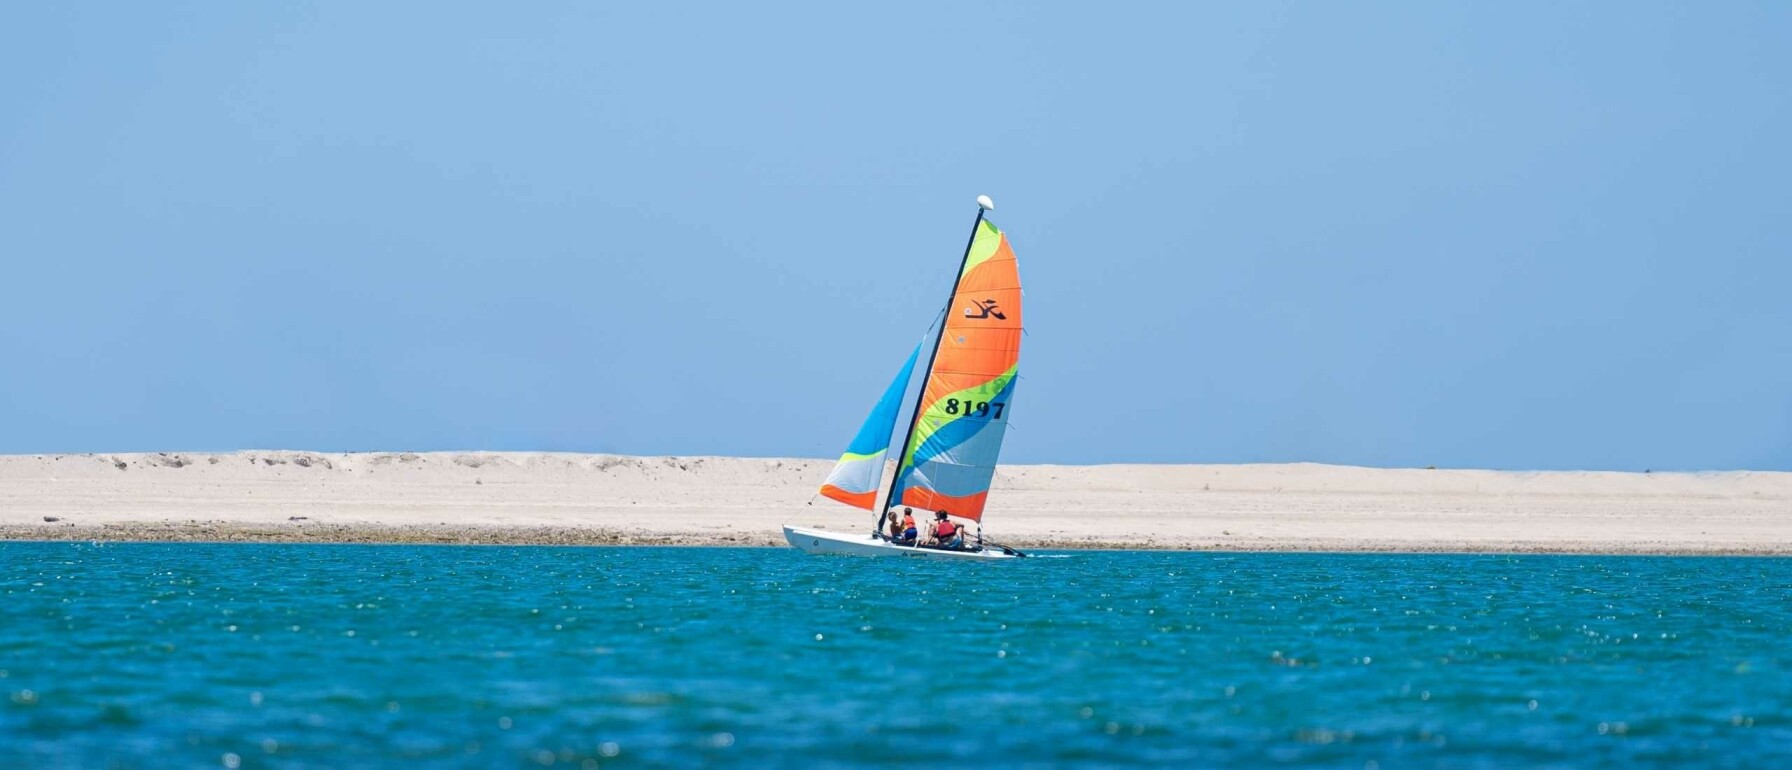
x: 946, y: 529
x: 908, y: 522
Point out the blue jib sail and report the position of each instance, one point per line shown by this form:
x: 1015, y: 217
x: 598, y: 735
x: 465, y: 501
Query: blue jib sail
x: 860, y: 471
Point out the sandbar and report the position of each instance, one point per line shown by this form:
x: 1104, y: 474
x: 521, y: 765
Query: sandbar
x: 595, y: 499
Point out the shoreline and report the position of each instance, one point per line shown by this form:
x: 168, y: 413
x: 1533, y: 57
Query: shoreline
x: 228, y: 533
x: 526, y: 498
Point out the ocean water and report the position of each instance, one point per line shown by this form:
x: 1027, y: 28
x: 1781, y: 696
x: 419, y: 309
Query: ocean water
x: 190, y: 655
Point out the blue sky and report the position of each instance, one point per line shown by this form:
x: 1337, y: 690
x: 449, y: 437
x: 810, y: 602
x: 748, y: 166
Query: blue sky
x: 1401, y: 234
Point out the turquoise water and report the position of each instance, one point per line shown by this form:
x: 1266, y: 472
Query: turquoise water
x: 157, y: 655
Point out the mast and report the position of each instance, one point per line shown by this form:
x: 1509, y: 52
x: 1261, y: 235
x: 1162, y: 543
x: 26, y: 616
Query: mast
x: 983, y: 204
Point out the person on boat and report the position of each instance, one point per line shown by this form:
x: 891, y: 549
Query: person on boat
x: 945, y: 533
x: 909, y: 533
x: 895, y: 527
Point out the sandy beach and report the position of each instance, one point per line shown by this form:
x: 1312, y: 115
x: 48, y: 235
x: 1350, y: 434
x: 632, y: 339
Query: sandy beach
x: 547, y: 498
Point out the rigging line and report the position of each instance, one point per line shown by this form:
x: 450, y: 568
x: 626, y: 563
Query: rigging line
x: 886, y: 467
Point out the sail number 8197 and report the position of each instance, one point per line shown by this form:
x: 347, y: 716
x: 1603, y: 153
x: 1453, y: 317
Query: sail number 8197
x: 968, y: 407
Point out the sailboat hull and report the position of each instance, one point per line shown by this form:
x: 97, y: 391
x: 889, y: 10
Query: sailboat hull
x: 842, y: 544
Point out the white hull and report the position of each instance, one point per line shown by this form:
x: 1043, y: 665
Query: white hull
x: 840, y: 543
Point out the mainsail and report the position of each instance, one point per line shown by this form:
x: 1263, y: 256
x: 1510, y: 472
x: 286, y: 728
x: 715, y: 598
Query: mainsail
x: 950, y: 451
x: 861, y: 470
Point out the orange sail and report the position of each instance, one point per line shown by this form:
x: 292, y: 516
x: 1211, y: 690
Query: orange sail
x: 950, y: 453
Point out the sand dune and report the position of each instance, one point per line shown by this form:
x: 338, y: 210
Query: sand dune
x: 515, y: 497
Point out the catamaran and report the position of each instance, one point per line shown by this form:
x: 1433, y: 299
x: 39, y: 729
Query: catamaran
x: 955, y: 423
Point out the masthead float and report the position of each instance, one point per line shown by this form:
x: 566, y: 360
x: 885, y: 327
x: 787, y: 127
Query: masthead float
x: 956, y: 421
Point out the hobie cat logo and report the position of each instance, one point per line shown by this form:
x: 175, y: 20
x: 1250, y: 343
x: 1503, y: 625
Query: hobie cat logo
x: 984, y: 309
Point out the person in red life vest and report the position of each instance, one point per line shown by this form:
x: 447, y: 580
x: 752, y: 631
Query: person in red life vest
x: 945, y: 533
